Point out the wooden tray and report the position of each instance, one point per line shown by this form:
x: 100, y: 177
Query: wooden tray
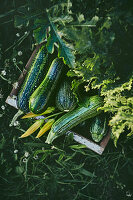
x: 11, y: 100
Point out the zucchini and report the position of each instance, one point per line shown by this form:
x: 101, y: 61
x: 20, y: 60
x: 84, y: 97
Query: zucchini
x: 75, y: 117
x: 40, y: 97
x: 98, y: 128
x: 33, y: 78
x: 65, y: 99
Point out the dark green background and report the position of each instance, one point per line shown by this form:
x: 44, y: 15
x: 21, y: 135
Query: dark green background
x: 65, y: 173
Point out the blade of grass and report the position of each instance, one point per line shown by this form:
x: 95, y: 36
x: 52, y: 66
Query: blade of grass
x: 18, y: 42
x: 7, y: 13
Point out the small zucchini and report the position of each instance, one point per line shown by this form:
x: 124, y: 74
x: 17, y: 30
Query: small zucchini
x: 65, y: 99
x: 98, y: 128
x: 33, y: 78
x: 42, y: 94
x: 75, y: 117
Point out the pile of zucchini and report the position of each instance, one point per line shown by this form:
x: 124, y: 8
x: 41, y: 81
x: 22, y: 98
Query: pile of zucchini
x: 45, y: 83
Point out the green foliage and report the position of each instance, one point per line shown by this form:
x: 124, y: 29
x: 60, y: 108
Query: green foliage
x: 64, y: 51
x: 24, y: 18
x: 40, y: 33
x: 46, y: 29
x: 121, y: 107
x: 55, y: 172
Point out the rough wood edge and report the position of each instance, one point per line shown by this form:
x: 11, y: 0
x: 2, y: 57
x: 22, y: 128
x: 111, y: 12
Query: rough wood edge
x: 88, y: 143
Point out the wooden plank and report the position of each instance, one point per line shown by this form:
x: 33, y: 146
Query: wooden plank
x: 88, y: 143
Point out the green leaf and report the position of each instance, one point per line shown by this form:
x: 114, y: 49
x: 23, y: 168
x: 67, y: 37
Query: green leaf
x: 52, y: 39
x: 25, y: 18
x: 20, y: 21
x: 46, y: 26
x: 64, y: 51
x: 33, y: 144
x: 40, y: 33
x: 78, y: 146
x: 7, y: 13
x: 107, y: 23
x: 75, y: 87
x: 47, y: 151
x: 87, y: 173
x: 19, y: 170
x: 120, y: 105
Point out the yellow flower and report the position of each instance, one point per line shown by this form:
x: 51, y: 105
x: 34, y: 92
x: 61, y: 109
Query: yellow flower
x: 45, y: 128
x: 33, y: 128
x: 30, y: 115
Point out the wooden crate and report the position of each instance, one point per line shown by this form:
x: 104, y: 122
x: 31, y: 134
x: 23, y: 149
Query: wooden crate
x: 11, y: 100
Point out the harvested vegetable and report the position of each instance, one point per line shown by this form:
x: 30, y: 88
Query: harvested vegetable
x: 98, y: 128
x: 75, y: 117
x: 40, y: 97
x: 65, y: 99
x: 34, y: 77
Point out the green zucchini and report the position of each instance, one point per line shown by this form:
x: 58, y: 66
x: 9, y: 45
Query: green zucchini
x: 33, y: 78
x: 98, y: 128
x: 40, y: 97
x: 65, y: 99
x: 75, y: 117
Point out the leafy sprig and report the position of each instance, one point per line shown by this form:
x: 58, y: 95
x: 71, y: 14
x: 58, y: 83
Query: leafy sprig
x: 121, y: 106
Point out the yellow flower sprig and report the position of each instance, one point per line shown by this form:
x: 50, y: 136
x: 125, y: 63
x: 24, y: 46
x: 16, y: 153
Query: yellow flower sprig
x: 33, y: 128
x: 38, y: 124
x: 30, y: 115
x: 46, y: 127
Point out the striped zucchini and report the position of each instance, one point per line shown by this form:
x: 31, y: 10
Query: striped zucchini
x: 65, y: 99
x: 98, y: 128
x: 34, y: 77
x: 40, y: 97
x: 75, y: 117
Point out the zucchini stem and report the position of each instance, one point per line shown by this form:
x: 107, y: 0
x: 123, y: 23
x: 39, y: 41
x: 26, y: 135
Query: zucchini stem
x: 19, y: 113
x: 56, y: 114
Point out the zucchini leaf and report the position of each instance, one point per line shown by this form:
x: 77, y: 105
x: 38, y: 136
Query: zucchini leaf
x: 40, y: 32
x: 46, y: 29
x: 64, y: 51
